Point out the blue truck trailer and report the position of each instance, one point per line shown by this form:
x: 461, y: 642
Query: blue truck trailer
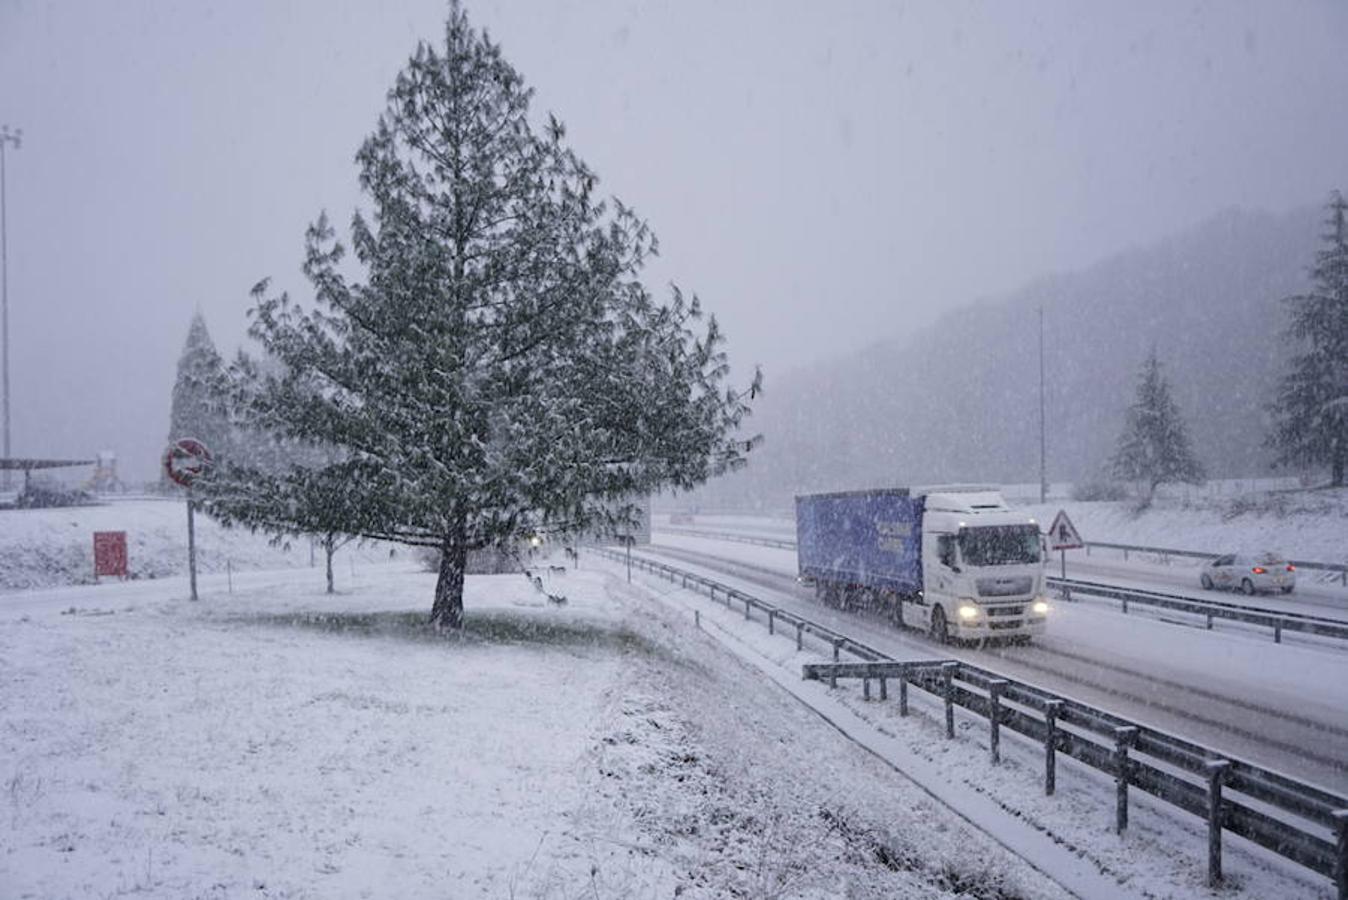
x: 956, y: 562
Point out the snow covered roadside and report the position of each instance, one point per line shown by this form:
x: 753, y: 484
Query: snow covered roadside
x: 1162, y: 854
x: 282, y: 743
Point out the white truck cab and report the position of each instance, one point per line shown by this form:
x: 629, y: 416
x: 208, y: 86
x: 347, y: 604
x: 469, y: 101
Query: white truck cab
x: 982, y: 565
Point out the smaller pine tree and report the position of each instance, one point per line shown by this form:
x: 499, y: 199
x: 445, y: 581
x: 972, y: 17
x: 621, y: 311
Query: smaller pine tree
x: 199, y: 409
x: 1312, y: 405
x: 1154, y: 447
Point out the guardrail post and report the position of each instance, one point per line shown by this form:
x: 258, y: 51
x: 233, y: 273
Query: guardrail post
x: 832, y: 678
x: 884, y: 688
x: 1216, y: 770
x: 746, y: 609
x: 837, y: 643
x: 1277, y: 632
x: 1125, y: 554
x: 1340, y: 817
x: 1209, y: 621
x: 1051, y: 711
x: 1123, y: 739
x: 948, y: 691
x: 800, y: 635
x: 712, y: 593
x: 865, y: 688
x: 697, y: 619
x: 903, y: 691
x: 995, y: 719
x: 772, y: 621
x: 1124, y: 598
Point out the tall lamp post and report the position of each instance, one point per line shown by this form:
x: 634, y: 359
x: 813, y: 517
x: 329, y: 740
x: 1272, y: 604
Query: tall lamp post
x: 1043, y: 441
x: 6, y: 137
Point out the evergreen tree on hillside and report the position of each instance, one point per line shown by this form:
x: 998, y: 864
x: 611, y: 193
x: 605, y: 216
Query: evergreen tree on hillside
x: 1312, y: 404
x: 199, y: 408
x: 501, y: 369
x: 1154, y: 446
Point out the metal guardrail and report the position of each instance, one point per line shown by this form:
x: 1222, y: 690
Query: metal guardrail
x: 778, y: 543
x: 1298, y: 821
x: 1211, y: 609
x: 1166, y: 552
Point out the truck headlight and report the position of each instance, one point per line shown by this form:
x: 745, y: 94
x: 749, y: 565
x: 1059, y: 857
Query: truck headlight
x: 1040, y: 608
x: 968, y: 612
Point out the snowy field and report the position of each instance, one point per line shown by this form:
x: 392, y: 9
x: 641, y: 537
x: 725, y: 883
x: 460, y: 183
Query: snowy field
x: 47, y: 547
x: 281, y: 743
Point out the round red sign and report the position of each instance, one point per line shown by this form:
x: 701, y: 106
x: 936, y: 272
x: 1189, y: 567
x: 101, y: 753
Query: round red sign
x: 185, y: 460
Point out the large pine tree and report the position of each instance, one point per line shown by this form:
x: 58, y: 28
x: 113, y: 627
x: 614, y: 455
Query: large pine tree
x: 1154, y: 446
x: 500, y: 368
x: 1312, y: 404
x: 199, y: 407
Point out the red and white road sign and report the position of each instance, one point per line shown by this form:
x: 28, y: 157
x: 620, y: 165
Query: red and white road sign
x: 185, y: 460
x: 1062, y: 534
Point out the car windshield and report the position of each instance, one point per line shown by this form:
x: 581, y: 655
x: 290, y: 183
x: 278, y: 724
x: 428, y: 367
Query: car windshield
x: 1000, y: 545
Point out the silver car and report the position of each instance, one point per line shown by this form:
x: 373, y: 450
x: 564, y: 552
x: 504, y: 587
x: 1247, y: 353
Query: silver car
x: 1250, y: 572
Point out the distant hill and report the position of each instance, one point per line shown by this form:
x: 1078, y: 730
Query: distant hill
x: 960, y: 400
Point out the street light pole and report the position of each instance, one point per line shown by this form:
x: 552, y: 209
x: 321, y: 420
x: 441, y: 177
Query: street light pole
x: 6, y: 137
x: 1043, y: 443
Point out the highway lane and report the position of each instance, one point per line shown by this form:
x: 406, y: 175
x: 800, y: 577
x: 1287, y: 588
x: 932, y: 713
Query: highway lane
x: 1280, y: 706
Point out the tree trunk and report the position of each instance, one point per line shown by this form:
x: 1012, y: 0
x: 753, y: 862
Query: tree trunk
x: 447, y: 612
x: 329, y: 547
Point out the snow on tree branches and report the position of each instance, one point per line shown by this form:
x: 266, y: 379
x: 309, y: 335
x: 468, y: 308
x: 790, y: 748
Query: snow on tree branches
x: 501, y: 369
x: 1154, y: 446
x: 1312, y: 403
x: 200, y: 407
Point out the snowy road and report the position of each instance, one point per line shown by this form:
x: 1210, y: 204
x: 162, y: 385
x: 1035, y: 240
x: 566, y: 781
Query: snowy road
x: 1281, y: 706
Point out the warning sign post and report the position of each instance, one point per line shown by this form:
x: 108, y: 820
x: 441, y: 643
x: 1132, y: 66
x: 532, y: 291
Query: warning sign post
x: 1063, y: 536
x: 185, y: 461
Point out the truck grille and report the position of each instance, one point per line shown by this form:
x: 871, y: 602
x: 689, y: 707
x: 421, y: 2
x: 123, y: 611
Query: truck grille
x: 1005, y: 587
x: 994, y: 611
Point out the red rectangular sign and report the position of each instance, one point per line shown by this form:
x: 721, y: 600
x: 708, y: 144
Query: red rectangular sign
x: 110, y: 553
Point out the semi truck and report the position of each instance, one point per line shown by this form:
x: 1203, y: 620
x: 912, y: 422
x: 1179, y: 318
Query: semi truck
x: 956, y: 562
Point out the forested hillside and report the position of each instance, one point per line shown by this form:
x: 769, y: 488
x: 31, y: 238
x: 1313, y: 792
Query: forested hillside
x: 960, y: 400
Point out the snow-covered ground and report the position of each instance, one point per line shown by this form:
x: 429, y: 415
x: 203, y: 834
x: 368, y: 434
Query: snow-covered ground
x: 48, y: 547
x: 278, y: 742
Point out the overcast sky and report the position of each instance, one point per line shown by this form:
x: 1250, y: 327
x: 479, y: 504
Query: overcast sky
x: 823, y: 175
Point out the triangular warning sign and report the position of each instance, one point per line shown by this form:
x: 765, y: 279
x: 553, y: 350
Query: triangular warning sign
x: 1062, y: 534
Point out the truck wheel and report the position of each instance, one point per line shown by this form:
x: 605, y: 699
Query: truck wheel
x: 939, y: 633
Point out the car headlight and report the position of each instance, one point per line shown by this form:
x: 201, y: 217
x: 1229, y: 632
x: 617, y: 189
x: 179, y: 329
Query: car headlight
x: 968, y: 612
x: 1040, y: 608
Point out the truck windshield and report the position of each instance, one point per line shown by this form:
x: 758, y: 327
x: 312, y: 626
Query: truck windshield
x: 1000, y: 545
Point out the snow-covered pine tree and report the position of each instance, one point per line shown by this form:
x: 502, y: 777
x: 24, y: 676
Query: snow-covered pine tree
x: 200, y: 408
x: 1154, y: 446
x: 501, y: 369
x: 1312, y: 403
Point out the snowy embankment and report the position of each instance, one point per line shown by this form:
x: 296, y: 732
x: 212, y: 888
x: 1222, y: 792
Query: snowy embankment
x: 278, y: 742
x: 49, y: 547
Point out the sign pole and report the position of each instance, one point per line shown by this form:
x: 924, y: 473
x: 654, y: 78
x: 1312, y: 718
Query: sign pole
x: 191, y: 544
x: 1064, y: 562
